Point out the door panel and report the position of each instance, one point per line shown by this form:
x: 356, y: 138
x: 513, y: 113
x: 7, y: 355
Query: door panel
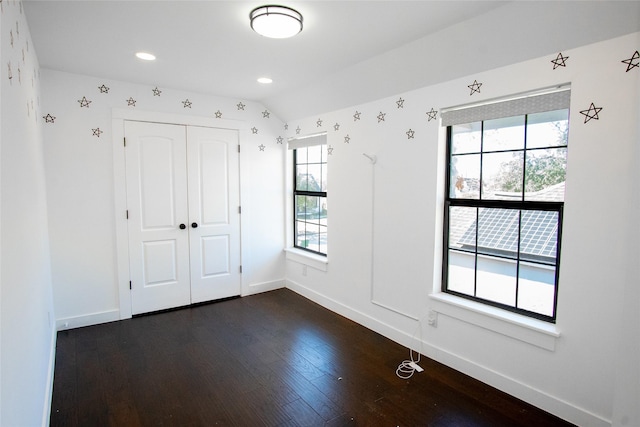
x: 212, y: 159
x: 155, y: 159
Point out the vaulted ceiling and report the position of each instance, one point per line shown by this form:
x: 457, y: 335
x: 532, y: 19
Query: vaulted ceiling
x: 349, y: 52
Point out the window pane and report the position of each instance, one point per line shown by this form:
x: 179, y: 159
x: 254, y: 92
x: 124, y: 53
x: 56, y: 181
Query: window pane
x: 462, y: 228
x: 301, y: 155
x: 548, y: 129
x: 536, y: 290
x: 503, y: 134
x: 461, y: 273
x: 466, y: 138
x: 314, y: 177
x: 323, y: 182
x: 302, y: 178
x: 322, y: 241
x: 465, y: 176
x: 314, y: 154
x: 539, y: 236
x: 301, y: 234
x: 498, y: 232
x: 545, y: 174
x: 502, y: 176
x: 496, y: 280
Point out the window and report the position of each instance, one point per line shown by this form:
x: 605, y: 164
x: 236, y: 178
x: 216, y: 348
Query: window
x: 310, y: 194
x: 504, y: 200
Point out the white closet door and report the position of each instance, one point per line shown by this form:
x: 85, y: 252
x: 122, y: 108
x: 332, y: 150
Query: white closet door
x: 214, y: 220
x: 156, y: 168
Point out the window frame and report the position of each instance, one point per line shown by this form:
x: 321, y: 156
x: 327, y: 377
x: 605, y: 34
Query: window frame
x: 308, y: 193
x: 521, y: 206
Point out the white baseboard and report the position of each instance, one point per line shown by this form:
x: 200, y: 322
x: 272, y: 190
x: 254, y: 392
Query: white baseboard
x: 258, y: 288
x: 46, y: 411
x: 538, y: 398
x: 87, y: 319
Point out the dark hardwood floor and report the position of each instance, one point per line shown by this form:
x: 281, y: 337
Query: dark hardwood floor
x: 273, y: 359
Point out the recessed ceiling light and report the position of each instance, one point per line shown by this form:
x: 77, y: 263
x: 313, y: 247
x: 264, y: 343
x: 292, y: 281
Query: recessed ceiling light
x: 265, y: 80
x: 146, y: 56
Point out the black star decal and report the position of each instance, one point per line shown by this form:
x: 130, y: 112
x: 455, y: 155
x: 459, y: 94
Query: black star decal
x: 218, y: 114
x: 319, y: 123
x: 356, y: 116
x: 186, y: 103
x: 410, y: 134
x: 286, y: 126
x: 279, y: 139
x: 381, y: 116
x: 261, y: 147
x: 591, y: 113
x: 329, y: 150
x: 298, y: 130
x: 11, y: 37
x: 10, y: 74
x: 254, y: 130
x: 156, y: 91
x: 265, y: 114
x: 49, y: 118
x: 560, y: 61
x: 400, y: 103
x: 131, y: 102
x: 431, y: 115
x: 84, y: 102
x: 336, y: 127
x: 630, y: 64
x: 347, y: 139
x: 103, y: 89
x: 475, y: 87
x: 240, y: 106
x: 97, y: 132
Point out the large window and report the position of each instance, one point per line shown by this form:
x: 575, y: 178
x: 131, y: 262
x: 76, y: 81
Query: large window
x: 504, y: 201
x: 310, y: 197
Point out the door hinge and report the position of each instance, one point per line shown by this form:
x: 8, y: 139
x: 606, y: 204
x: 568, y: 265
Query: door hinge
x: 127, y: 213
x: 125, y: 141
x: 130, y: 285
x: 238, y: 148
x: 239, y: 209
x: 240, y: 269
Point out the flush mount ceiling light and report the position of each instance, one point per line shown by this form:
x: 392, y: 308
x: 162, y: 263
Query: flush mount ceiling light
x: 146, y: 56
x: 265, y: 80
x: 276, y: 22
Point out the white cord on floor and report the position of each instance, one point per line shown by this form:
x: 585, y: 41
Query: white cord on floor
x: 405, y: 369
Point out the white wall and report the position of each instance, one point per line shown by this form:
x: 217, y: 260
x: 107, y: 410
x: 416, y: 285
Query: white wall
x: 80, y: 186
x: 390, y: 213
x: 27, y: 315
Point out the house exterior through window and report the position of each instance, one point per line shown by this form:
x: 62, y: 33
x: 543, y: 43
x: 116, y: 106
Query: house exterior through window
x: 504, y: 201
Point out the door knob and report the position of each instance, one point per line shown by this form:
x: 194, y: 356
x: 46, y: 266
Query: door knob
x: 194, y: 225
x: 182, y: 226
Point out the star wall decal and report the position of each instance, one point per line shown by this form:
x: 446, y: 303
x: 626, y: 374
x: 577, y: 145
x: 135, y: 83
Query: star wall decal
x: 261, y: 147
x: 319, y: 123
x: 591, y: 113
x: 20, y: 76
x: 410, y: 134
x: 336, y: 127
x: 475, y: 87
x: 400, y: 103
x: 186, y: 103
x: 49, y: 118
x: 298, y: 130
x: 97, y: 132
x: 279, y: 140
x: 84, y: 102
x: 218, y: 114
x: 560, y: 61
x: 103, y: 89
x: 286, y: 126
x: 240, y: 106
x: 10, y: 75
x: 330, y: 150
x: 356, y: 116
x: 131, y: 102
x: 630, y: 64
x: 347, y: 139
x: 266, y: 114
x: 11, y: 37
x: 381, y: 116
x: 156, y: 91
x: 431, y: 115
x: 254, y: 130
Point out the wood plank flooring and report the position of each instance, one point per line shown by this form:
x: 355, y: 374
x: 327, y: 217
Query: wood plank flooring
x: 273, y: 359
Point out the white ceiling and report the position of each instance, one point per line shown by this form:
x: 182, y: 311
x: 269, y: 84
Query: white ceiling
x: 349, y: 52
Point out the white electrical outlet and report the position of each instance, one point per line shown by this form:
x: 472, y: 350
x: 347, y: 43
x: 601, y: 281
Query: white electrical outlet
x: 432, y: 318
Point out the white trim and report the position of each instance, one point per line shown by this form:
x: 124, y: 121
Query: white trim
x: 258, y: 288
x: 536, y: 332
x: 561, y: 408
x: 46, y: 411
x: 312, y: 260
x: 88, y: 319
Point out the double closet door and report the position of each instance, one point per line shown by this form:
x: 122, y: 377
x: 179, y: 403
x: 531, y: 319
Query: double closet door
x: 183, y: 214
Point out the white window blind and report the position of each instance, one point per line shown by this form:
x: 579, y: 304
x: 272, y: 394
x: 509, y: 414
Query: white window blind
x: 307, y: 141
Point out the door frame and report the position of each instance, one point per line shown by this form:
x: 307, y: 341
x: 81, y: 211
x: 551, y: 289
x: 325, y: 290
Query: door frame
x: 118, y: 117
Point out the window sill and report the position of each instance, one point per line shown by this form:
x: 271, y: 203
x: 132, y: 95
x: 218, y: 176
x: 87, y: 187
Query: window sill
x: 532, y: 331
x: 318, y: 262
